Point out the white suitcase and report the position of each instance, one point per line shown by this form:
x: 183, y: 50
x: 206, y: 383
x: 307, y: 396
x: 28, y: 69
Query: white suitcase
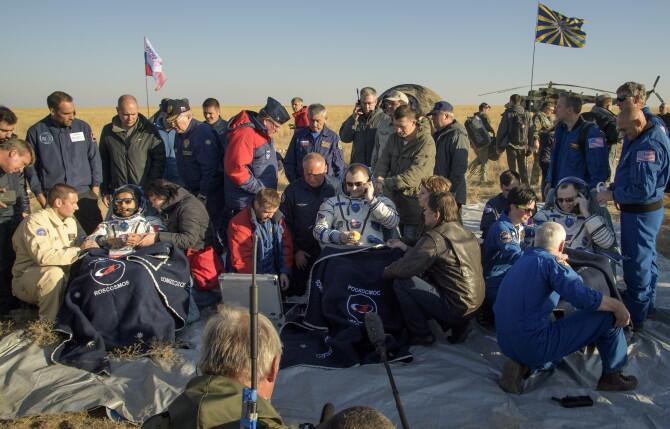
x: 235, y: 290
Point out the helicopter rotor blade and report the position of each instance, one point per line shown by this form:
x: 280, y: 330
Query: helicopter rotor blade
x: 584, y: 87
x: 511, y: 89
x: 653, y: 88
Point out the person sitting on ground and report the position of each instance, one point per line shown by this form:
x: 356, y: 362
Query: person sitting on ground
x: 526, y: 334
x: 214, y: 398
x: 357, y: 216
x: 429, y: 185
x: 358, y: 418
x: 46, y: 245
x: 448, y: 259
x: 275, y: 246
x: 497, y: 205
x: 585, y: 230
x: 503, y: 244
x: 127, y: 228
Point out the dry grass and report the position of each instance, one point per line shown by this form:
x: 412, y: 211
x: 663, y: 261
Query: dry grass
x: 6, y: 327
x: 163, y: 353
x: 80, y: 420
x: 41, y: 332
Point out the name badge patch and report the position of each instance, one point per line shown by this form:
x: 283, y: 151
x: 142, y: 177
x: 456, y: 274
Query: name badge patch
x: 77, y: 137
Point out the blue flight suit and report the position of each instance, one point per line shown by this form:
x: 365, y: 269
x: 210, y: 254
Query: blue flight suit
x: 528, y: 295
x: 304, y: 141
x: 63, y: 155
x: 493, y: 209
x: 198, y: 158
x: 655, y: 120
x: 587, y: 160
x: 502, y: 248
x: 171, y: 172
x: 640, y: 181
x: 300, y: 204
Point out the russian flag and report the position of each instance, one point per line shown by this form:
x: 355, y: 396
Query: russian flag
x: 153, y: 65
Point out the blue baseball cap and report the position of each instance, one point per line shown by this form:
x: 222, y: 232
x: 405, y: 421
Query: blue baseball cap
x: 441, y: 106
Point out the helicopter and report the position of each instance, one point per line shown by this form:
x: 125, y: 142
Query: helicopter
x: 551, y: 91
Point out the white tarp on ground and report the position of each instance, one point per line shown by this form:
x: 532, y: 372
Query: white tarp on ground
x: 445, y: 386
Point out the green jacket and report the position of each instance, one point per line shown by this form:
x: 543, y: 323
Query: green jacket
x: 402, y: 165
x: 541, y: 122
x: 136, y: 158
x: 211, y: 401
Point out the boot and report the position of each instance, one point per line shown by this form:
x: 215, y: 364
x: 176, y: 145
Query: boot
x: 617, y: 382
x: 513, y: 374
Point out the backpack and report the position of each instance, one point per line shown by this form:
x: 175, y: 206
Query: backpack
x: 607, y: 125
x: 478, y: 135
x: 517, y: 133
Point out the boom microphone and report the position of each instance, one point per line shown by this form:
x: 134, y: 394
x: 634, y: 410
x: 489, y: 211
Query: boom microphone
x: 375, y: 329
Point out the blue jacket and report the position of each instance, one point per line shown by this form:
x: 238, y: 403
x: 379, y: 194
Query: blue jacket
x: 588, y: 160
x: 327, y: 143
x: 198, y: 158
x: 63, y: 155
x: 530, y: 292
x: 656, y: 120
x: 643, y: 169
x: 300, y: 204
x: 502, y: 248
x: 493, y: 209
x: 166, y: 136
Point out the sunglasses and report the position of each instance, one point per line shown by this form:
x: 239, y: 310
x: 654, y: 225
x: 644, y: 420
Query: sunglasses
x: 622, y: 98
x: 565, y: 200
x: 357, y: 184
x: 526, y: 209
x: 123, y: 200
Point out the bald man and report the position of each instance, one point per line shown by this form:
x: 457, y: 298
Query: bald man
x: 638, y: 187
x: 300, y: 203
x: 131, y: 148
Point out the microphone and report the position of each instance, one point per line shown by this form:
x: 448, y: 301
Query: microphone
x: 375, y: 329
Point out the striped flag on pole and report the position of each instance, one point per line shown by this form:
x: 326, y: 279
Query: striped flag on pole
x: 557, y: 29
x: 153, y: 64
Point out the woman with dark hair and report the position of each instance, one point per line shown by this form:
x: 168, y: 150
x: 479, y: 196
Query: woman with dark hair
x: 441, y: 276
x: 188, y: 228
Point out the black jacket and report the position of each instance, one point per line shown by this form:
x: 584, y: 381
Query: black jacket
x: 451, y: 145
x: 134, y: 159
x: 300, y: 205
x: 187, y: 222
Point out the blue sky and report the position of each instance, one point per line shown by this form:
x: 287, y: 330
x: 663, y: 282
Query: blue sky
x: 322, y: 51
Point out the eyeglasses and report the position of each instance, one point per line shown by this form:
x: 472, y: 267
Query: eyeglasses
x: 565, y: 200
x: 356, y: 184
x: 525, y: 209
x: 622, y: 98
x: 123, y: 200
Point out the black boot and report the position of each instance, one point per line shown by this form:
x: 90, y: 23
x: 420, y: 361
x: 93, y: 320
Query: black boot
x: 617, y: 382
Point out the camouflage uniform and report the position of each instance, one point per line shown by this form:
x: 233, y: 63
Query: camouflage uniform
x: 478, y: 165
x: 541, y: 123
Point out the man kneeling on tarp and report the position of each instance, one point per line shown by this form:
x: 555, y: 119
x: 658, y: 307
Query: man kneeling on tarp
x: 214, y: 399
x: 127, y: 228
x: 528, y: 294
x: 447, y: 256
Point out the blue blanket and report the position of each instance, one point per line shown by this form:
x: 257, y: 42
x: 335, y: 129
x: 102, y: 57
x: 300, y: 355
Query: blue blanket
x: 114, y: 303
x: 344, y: 285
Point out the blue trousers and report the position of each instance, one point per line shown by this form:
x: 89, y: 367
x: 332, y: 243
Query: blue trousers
x: 640, y: 272
x: 566, y: 336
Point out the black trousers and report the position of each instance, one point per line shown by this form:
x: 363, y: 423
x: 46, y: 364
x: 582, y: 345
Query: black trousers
x: 420, y: 302
x: 516, y: 160
x: 88, y: 215
x: 7, y: 256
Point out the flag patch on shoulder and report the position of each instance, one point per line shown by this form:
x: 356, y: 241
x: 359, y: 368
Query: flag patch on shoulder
x: 646, y: 156
x: 596, y: 142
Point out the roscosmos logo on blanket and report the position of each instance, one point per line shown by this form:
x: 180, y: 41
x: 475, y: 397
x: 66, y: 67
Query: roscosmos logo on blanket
x: 106, y: 272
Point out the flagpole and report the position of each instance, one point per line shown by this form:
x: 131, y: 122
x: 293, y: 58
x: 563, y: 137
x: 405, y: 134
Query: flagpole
x: 146, y: 78
x: 532, y: 67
